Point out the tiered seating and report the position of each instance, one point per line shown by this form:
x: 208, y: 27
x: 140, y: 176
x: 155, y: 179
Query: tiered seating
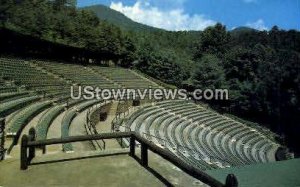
x: 29, y: 87
x: 125, y: 77
x: 11, y: 106
x: 46, y: 120
x: 7, y: 89
x: 4, y: 97
x: 23, y: 74
x: 77, y: 74
x: 199, y: 136
x: 21, y: 118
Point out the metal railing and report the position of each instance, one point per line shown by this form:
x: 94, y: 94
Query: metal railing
x: 91, y: 126
x: 29, y: 144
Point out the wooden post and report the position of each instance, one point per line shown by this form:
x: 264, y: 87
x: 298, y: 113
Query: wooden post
x: 2, y: 139
x: 24, y: 161
x: 44, y: 149
x: 132, y: 146
x: 32, y: 135
x: 231, y: 181
x: 144, y: 155
x: 121, y: 142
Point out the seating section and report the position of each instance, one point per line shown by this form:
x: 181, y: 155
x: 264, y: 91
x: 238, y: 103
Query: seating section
x: 124, y: 77
x: 11, y: 106
x: 28, y: 87
x: 21, y: 118
x: 201, y: 137
x: 77, y: 74
x: 23, y: 73
x: 46, y: 120
x: 7, y: 89
x: 12, y: 96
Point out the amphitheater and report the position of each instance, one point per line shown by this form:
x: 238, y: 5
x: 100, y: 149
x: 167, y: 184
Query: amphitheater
x: 35, y: 96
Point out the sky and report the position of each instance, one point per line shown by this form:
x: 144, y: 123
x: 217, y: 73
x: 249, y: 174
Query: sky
x: 178, y: 15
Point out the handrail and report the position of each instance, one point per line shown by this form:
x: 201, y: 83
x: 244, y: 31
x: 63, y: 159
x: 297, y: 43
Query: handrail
x: 91, y: 127
x: 29, y: 142
x: 92, y: 130
x: 72, y: 139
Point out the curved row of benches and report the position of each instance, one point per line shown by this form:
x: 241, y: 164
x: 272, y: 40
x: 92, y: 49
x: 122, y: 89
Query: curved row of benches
x: 14, y: 105
x: 22, y: 117
x: 201, y: 137
x: 46, y: 120
x: 9, y: 96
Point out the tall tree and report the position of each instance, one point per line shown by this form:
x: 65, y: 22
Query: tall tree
x: 213, y: 41
x: 209, y: 73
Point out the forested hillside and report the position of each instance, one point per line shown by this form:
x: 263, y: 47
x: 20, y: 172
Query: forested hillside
x: 261, y: 69
x: 117, y: 18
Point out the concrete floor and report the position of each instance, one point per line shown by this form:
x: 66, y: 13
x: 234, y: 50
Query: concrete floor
x: 103, y: 170
x: 77, y: 128
x: 106, y: 171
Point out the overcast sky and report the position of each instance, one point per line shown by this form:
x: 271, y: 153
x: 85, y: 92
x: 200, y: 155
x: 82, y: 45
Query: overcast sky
x: 198, y: 14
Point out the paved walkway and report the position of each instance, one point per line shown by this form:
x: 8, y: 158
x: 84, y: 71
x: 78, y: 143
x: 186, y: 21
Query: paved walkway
x: 92, y: 169
x: 77, y: 127
x: 105, y: 126
x: 94, y: 172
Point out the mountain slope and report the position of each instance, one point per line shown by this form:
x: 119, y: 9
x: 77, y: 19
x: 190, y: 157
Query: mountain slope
x: 241, y: 30
x: 117, y: 18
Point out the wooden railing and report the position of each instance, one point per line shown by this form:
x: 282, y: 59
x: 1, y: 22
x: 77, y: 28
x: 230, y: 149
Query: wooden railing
x: 29, y: 144
x: 2, y: 138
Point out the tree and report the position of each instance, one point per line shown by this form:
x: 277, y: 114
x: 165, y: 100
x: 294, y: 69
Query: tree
x: 213, y: 41
x: 209, y: 73
x: 5, y: 6
x: 128, y: 52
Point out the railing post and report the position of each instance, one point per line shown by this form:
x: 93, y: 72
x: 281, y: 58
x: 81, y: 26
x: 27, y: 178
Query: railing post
x: 2, y: 139
x: 144, y: 155
x: 113, y: 127
x: 24, y: 161
x: 44, y: 149
x: 132, y: 146
x: 231, y: 181
x: 32, y: 135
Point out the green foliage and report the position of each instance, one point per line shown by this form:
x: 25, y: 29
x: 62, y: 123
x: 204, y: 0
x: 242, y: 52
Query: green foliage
x: 159, y: 64
x: 59, y: 22
x: 213, y: 40
x: 209, y: 73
